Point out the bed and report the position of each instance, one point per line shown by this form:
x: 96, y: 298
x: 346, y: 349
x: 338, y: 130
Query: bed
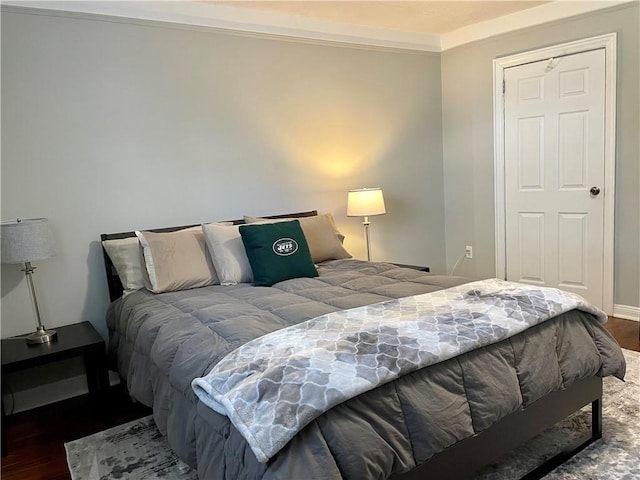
x: 472, y: 407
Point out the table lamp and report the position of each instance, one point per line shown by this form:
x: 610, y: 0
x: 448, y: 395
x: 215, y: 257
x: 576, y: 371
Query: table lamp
x: 365, y: 202
x: 25, y: 241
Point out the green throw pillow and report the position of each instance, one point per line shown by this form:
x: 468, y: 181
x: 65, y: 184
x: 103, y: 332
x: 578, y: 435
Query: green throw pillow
x: 277, y: 252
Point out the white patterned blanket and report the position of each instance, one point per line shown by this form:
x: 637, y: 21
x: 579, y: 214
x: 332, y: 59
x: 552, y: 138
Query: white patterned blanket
x: 273, y: 386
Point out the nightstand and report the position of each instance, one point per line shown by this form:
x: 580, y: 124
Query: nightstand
x: 77, y: 340
x: 414, y: 267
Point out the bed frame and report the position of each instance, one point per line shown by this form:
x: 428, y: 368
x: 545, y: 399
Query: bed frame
x: 462, y: 459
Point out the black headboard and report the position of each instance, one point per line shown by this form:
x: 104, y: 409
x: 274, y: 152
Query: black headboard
x: 113, y: 281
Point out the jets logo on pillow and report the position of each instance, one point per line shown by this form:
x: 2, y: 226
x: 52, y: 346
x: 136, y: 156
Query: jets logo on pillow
x: 285, y: 247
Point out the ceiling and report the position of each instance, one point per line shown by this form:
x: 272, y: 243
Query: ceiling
x: 424, y: 25
x: 426, y: 16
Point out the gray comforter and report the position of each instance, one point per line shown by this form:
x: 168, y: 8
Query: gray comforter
x: 164, y: 341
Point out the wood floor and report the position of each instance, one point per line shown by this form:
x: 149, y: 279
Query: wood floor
x: 35, y: 439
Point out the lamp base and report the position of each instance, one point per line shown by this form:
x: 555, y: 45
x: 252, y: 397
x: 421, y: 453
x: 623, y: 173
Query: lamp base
x: 42, y: 336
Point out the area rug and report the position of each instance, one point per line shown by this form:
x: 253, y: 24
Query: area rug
x: 137, y: 450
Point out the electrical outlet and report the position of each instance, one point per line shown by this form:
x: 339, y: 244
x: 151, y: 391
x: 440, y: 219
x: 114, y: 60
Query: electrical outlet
x: 468, y: 251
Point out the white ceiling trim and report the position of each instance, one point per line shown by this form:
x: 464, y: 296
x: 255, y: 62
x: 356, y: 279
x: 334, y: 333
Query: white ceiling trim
x: 262, y: 22
x: 524, y: 18
x: 244, y: 20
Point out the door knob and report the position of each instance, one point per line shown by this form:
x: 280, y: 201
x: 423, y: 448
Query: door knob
x: 594, y: 191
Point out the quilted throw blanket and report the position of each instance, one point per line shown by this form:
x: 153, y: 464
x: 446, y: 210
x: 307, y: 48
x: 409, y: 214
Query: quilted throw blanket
x: 273, y: 386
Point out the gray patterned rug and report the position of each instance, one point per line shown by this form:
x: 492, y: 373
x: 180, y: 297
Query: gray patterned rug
x: 137, y: 451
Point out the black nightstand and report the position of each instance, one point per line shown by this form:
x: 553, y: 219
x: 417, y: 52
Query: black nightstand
x: 414, y: 267
x: 77, y: 340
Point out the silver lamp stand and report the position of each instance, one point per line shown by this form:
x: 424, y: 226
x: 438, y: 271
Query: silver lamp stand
x: 41, y: 335
x: 367, y: 244
x: 25, y: 241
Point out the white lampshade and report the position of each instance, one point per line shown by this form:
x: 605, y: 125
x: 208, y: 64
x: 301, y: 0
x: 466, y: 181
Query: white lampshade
x: 365, y: 202
x: 26, y: 240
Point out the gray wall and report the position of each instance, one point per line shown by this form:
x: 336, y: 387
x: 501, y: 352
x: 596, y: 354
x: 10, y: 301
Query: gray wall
x: 110, y: 125
x: 467, y: 104
x: 115, y: 125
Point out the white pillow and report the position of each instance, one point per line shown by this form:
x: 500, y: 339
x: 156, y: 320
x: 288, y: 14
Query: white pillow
x: 125, y: 256
x: 227, y: 253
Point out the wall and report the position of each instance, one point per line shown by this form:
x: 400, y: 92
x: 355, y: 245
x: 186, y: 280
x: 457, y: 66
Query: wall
x: 467, y: 104
x: 111, y: 125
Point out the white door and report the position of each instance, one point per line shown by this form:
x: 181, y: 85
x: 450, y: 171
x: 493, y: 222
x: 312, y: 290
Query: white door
x: 554, y: 123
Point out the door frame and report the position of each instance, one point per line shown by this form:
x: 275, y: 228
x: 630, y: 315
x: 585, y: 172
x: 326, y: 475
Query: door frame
x: 609, y: 43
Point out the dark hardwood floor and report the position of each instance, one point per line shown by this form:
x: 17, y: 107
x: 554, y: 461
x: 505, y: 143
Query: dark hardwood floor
x: 625, y: 332
x: 35, y: 439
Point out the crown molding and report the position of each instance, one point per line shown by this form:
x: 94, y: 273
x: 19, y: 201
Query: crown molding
x: 219, y: 16
x: 548, y: 12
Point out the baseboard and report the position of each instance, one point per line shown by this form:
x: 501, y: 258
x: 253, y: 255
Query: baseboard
x: 627, y: 312
x: 27, y: 399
